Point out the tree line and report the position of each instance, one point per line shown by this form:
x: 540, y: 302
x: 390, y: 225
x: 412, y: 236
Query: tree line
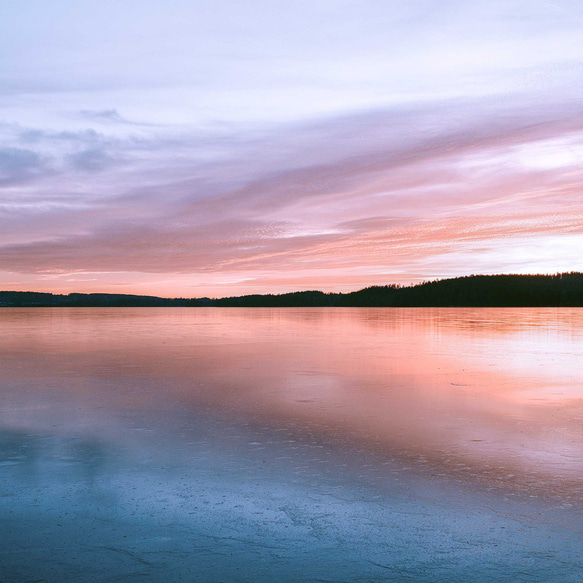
x: 562, y: 289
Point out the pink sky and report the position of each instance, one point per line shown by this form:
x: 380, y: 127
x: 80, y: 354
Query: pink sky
x: 264, y: 151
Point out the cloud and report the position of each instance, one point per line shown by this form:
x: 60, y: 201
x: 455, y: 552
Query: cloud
x: 56, y: 152
x: 19, y: 165
x: 108, y: 115
x: 92, y: 159
x: 390, y: 191
x: 58, y: 140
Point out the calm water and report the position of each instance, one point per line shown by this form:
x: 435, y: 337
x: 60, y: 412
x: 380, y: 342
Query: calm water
x: 291, y: 444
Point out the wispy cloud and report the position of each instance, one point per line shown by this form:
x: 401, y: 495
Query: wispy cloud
x: 19, y: 165
x: 103, y: 115
x: 393, y: 188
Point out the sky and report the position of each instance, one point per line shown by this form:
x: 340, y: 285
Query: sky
x: 194, y: 148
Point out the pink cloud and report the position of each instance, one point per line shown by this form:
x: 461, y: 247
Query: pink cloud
x: 375, y: 198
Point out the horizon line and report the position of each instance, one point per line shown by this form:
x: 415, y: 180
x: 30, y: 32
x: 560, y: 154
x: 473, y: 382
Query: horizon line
x: 396, y: 285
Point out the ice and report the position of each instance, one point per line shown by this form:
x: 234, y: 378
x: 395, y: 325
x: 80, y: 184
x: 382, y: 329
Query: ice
x: 233, y: 466
x: 242, y: 514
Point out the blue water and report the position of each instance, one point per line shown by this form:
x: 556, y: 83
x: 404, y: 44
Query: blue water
x: 290, y: 445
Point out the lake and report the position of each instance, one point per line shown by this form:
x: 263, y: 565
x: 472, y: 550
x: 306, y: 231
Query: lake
x: 298, y: 444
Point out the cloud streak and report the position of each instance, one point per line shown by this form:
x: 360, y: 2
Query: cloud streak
x: 391, y: 188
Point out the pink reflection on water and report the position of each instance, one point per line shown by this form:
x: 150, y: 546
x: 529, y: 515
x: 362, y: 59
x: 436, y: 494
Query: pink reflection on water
x: 489, y: 392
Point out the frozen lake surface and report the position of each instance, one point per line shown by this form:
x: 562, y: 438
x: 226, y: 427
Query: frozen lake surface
x: 284, y: 445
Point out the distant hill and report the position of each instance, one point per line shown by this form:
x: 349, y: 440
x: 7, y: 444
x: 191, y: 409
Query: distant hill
x: 46, y: 300
x: 563, y: 289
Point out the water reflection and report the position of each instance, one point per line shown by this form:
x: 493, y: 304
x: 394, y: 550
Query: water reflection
x: 291, y: 444
x: 498, y: 389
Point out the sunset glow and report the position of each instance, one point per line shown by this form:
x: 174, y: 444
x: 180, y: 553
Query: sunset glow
x: 224, y: 148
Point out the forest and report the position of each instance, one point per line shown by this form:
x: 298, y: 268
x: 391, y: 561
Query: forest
x: 562, y: 289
